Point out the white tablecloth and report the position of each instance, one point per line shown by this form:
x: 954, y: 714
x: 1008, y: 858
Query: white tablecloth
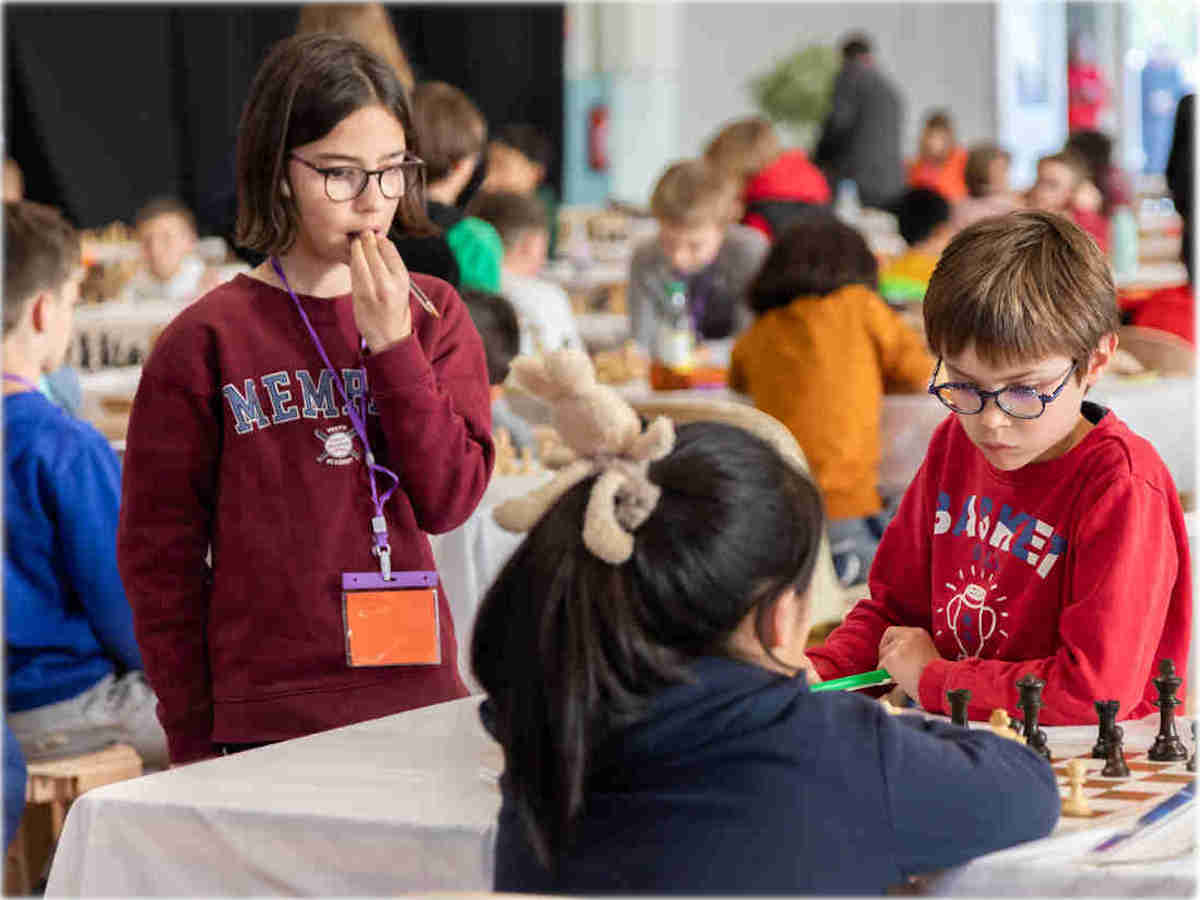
x: 471, y: 556
x: 409, y: 802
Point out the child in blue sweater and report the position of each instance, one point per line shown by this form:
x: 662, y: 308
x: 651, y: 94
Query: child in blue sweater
x: 659, y: 736
x: 73, y: 681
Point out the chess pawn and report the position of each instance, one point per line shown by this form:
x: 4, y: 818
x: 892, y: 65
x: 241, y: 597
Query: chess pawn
x: 958, y: 705
x: 1116, y: 766
x: 1167, y: 746
x: 1075, y: 803
x: 1106, y: 711
x: 999, y: 725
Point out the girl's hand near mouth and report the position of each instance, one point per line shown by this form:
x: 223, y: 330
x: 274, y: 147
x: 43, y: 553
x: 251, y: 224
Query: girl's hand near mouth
x: 380, y: 285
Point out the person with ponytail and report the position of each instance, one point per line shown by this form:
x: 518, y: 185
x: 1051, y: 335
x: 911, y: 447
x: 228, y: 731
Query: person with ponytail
x: 654, y: 704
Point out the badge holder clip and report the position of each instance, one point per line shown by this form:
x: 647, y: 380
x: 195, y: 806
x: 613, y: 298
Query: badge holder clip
x: 393, y: 620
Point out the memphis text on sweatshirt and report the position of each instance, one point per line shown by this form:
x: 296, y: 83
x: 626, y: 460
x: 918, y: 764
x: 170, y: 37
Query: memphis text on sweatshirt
x: 292, y: 396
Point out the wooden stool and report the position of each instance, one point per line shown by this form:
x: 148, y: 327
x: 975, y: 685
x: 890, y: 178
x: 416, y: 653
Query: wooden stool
x: 51, y: 786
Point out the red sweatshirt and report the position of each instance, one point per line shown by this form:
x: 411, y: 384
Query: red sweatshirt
x: 1075, y: 569
x: 790, y: 179
x: 239, y: 439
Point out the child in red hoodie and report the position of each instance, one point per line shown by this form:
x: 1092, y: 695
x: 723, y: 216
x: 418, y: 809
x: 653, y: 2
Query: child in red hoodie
x: 779, y: 186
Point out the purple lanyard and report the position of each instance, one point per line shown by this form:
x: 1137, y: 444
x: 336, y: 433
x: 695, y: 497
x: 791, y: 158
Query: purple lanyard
x: 378, y: 522
x: 9, y: 376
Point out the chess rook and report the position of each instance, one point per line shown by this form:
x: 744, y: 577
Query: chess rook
x: 1106, y: 710
x: 1167, y: 745
x: 1030, y: 688
x: 958, y: 701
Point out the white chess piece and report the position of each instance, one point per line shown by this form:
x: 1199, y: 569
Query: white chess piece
x: 1075, y: 803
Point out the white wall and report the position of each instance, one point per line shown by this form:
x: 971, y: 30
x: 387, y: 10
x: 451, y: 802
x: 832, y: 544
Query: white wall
x: 941, y: 54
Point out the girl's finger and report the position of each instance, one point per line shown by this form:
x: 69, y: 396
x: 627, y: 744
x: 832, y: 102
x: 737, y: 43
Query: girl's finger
x: 392, y: 259
x: 375, y: 262
x: 362, y: 284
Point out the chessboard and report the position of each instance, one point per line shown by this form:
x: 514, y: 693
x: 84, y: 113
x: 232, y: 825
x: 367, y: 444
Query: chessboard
x: 1147, y: 784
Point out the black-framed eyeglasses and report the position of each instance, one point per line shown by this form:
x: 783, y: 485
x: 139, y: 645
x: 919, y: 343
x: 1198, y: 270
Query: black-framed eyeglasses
x: 343, y: 183
x: 1019, y: 401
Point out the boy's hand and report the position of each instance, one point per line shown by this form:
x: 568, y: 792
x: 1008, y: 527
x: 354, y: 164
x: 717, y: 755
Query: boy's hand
x: 905, y: 652
x: 379, y: 282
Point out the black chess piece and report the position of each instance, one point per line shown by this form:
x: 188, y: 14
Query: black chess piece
x: 1106, y: 710
x: 1030, y: 688
x: 1167, y: 746
x: 958, y: 705
x: 1116, y: 767
x: 1191, y: 763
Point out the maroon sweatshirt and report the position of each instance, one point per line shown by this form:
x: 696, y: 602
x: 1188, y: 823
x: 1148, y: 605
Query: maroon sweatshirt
x: 239, y: 440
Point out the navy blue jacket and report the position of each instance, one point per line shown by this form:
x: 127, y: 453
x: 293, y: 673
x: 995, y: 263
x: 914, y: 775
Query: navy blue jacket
x: 67, y: 623
x: 745, y: 782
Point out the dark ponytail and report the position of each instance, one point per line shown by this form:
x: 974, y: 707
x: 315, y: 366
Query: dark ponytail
x: 571, y: 649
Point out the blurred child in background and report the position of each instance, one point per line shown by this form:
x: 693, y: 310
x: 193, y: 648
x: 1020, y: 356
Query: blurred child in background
x: 450, y: 134
x: 1063, y: 187
x: 496, y: 321
x: 940, y: 160
x: 985, y: 176
x: 818, y: 358
x: 542, y: 307
x: 699, y: 245
x: 518, y: 160
x: 776, y: 186
x: 74, y: 680
x: 924, y: 220
x: 166, y: 229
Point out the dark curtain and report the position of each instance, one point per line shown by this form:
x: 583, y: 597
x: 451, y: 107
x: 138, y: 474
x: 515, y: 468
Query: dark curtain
x: 106, y: 107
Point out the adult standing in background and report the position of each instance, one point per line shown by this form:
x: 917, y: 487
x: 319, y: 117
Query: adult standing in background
x: 369, y: 24
x: 1181, y: 172
x: 860, y: 139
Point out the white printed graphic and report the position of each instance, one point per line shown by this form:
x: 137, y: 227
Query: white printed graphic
x: 971, y: 618
x: 338, y: 442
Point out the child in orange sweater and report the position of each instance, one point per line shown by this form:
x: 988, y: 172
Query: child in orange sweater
x: 818, y: 358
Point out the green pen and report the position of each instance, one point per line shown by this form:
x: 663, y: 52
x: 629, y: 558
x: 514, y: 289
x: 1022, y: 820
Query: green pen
x: 855, y: 682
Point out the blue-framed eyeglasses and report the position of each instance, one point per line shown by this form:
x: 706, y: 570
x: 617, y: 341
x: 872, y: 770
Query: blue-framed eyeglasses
x: 343, y: 183
x: 1018, y: 400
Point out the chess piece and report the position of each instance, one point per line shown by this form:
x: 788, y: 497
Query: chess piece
x: 1167, y: 746
x: 1106, y: 710
x: 1191, y: 763
x: 1075, y: 803
x: 1115, y: 767
x: 958, y: 705
x: 999, y: 725
x: 889, y: 708
x: 1030, y: 688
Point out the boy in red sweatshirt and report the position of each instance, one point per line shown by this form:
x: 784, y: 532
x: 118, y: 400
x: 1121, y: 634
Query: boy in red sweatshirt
x: 1040, y: 535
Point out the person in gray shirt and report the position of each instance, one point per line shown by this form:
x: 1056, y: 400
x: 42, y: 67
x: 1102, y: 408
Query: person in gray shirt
x: 860, y: 139
x: 697, y: 244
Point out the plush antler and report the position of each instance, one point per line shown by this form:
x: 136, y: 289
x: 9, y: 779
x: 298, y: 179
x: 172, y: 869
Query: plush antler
x: 521, y: 513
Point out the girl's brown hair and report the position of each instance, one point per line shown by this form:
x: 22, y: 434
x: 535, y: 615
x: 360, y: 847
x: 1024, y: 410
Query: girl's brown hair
x: 304, y: 88
x: 812, y: 259
x: 1021, y: 287
x: 744, y: 147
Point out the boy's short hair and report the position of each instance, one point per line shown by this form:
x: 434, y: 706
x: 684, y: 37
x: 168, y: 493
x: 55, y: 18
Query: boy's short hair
x: 939, y: 118
x: 165, y: 205
x: 1094, y: 148
x: 1072, y: 160
x: 496, y: 321
x: 812, y: 259
x: 743, y: 147
x: 41, y: 251
x: 920, y: 213
x: 510, y: 213
x: 693, y: 192
x: 976, y: 174
x: 529, y: 142
x: 450, y: 125
x: 1021, y: 287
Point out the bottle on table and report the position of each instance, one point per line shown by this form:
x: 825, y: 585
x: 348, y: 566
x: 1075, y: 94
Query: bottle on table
x: 676, y: 342
x: 1124, y: 243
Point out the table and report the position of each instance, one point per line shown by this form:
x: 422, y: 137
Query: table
x: 470, y: 557
x: 409, y: 802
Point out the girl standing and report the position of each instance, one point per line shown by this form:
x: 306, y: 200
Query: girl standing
x: 303, y: 424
